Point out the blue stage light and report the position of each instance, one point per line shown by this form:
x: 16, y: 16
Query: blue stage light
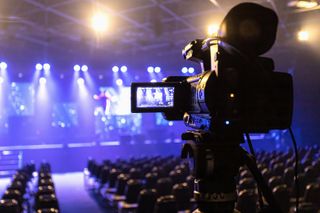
x: 84, y: 68
x: 119, y: 82
x: 153, y: 81
x: 1, y: 79
x: 124, y: 69
x: 42, y: 81
x: 115, y: 69
x: 150, y: 69
x: 46, y: 67
x: 76, y: 68
x: 191, y: 70
x: 157, y: 69
x: 80, y: 81
x: 184, y: 70
x: 3, y: 65
x: 38, y: 67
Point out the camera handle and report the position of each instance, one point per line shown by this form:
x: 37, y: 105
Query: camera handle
x: 216, y: 163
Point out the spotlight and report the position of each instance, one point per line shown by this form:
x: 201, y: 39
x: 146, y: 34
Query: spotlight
x: 115, y: 69
x: 1, y: 79
x: 46, y: 67
x: 76, y: 68
x: 157, y: 69
x: 80, y: 81
x: 42, y: 81
x: 153, y: 81
x: 191, y: 70
x: 38, y: 67
x: 124, y: 69
x: 150, y: 69
x: 303, y: 35
x: 119, y: 82
x: 3, y: 65
x: 99, y: 22
x: 84, y: 68
x: 213, y: 30
x: 184, y: 70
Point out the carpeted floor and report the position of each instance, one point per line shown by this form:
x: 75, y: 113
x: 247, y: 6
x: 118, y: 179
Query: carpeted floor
x: 72, y: 195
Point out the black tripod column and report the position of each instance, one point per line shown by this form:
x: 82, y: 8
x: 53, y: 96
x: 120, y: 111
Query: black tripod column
x: 215, y: 168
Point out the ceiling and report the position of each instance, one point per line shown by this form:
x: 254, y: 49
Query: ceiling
x: 139, y: 28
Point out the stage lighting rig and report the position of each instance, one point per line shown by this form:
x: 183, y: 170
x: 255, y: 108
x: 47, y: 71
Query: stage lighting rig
x: 237, y: 93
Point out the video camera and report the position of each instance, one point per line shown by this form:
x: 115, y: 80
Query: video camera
x: 237, y: 89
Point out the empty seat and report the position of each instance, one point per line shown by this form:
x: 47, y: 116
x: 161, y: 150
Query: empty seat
x: 9, y: 206
x: 182, y: 195
x: 166, y: 204
x: 247, y: 201
x: 312, y: 194
x: 282, y: 195
x: 164, y: 186
x: 146, y: 200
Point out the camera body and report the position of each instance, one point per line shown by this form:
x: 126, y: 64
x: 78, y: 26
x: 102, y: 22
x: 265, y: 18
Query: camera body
x: 237, y: 89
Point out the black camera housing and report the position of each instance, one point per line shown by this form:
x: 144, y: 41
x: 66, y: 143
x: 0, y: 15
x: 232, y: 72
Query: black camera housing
x: 237, y: 89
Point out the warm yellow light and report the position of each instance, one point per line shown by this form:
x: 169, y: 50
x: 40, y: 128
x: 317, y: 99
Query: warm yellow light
x: 213, y: 29
x: 232, y: 95
x: 303, y: 35
x: 99, y: 22
x: 304, y: 4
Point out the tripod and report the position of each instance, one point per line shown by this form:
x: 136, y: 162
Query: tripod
x: 216, y: 162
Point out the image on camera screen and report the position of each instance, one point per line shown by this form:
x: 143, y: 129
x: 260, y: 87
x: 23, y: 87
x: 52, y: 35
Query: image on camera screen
x: 155, y: 97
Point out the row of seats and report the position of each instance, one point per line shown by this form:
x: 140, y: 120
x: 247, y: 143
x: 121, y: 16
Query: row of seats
x: 15, y: 198
x: 277, y: 169
x: 144, y: 184
x: 30, y: 191
x: 164, y: 184
x: 45, y: 199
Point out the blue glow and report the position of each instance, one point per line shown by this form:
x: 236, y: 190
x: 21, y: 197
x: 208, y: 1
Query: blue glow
x: 46, y: 67
x: 153, y: 81
x: 124, y: 69
x: 80, y: 81
x: 115, y: 69
x: 76, y: 68
x: 84, y: 68
x: 42, y: 81
x: 157, y: 69
x: 38, y: 67
x: 227, y: 122
x: 119, y: 82
x: 184, y: 70
x: 191, y: 70
x: 1, y: 79
x: 150, y: 69
x: 3, y: 65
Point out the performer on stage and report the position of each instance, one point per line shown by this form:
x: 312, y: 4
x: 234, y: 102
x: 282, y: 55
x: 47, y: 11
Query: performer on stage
x: 105, y: 99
